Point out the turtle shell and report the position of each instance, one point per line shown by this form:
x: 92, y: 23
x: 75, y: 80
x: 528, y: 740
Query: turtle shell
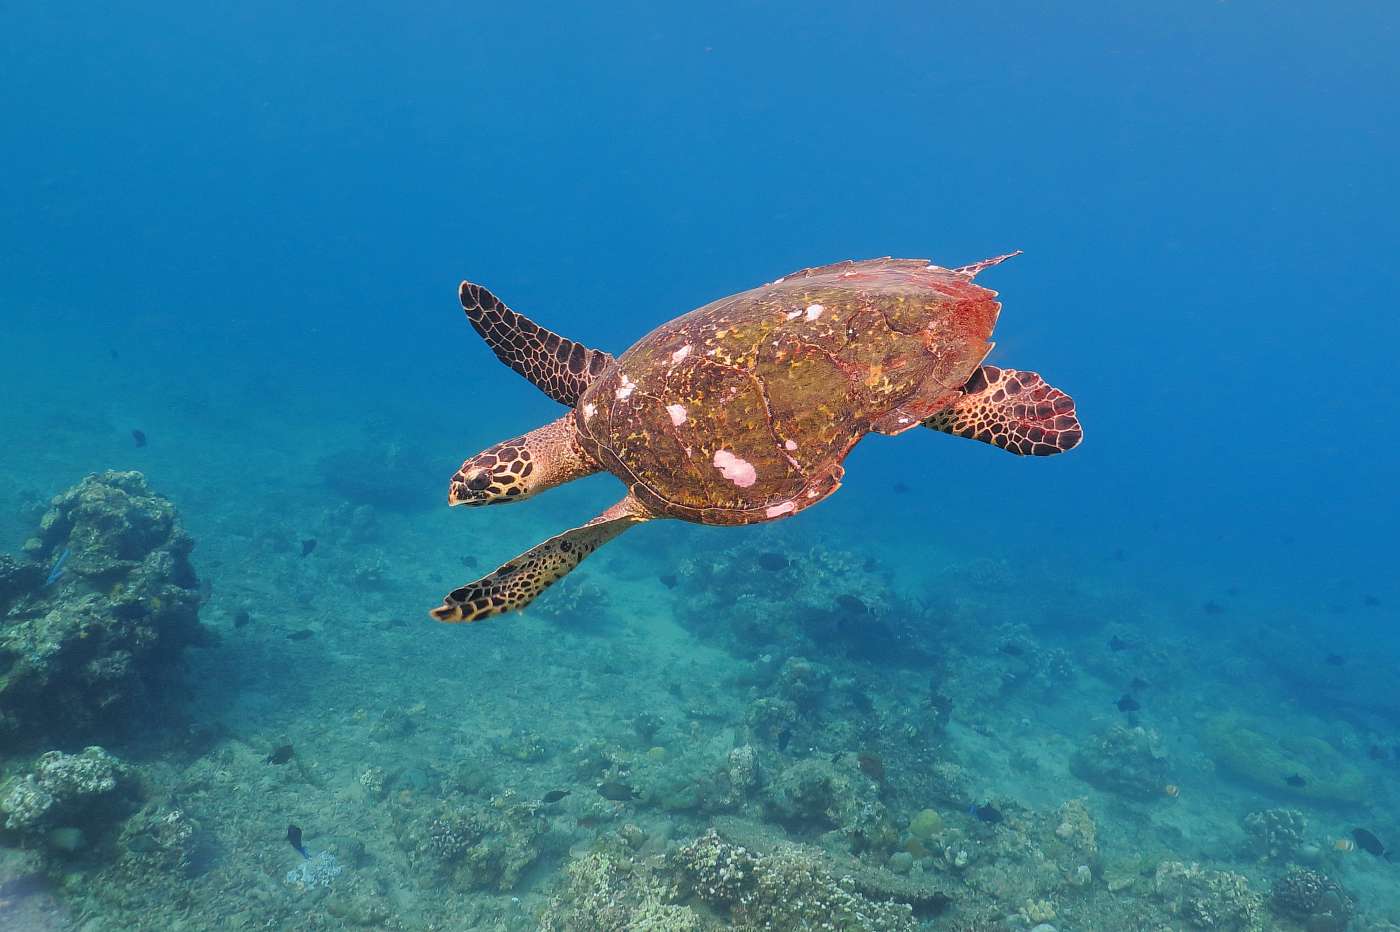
x: 742, y: 410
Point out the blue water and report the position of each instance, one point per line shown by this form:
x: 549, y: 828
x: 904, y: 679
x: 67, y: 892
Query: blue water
x: 240, y: 231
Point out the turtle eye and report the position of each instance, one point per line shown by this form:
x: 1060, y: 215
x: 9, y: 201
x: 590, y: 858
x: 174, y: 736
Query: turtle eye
x: 480, y: 481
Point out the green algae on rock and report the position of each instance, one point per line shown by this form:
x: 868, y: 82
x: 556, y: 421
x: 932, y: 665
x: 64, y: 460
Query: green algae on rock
x: 1265, y: 762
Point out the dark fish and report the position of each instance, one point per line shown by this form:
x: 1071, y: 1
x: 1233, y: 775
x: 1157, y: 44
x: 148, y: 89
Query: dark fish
x: 1012, y: 650
x: 669, y: 580
x: 1369, y: 843
x: 1371, y: 601
x: 301, y: 635
x: 901, y: 488
x: 470, y: 562
x: 1116, y: 643
x: 1213, y: 608
x: 294, y: 836
x: 849, y: 603
x: 985, y: 813
x: 773, y: 562
x: 307, y: 546
x: 139, y: 436
x: 114, y: 354
x: 280, y: 754
x: 241, y: 618
x: 1336, y: 660
x: 1376, y: 752
x: 1294, y: 779
x: 618, y: 792
x: 871, y: 766
x: 553, y: 796
x: 1137, y: 682
x: 1127, y: 704
x: 784, y: 737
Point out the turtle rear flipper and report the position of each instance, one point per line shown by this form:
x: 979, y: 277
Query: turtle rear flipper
x: 560, y: 368
x: 515, y: 584
x: 1015, y: 410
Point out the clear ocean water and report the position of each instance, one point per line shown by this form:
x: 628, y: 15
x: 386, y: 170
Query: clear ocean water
x: 1149, y: 684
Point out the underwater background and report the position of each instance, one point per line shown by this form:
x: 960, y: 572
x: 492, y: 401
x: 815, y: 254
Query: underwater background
x: 1148, y: 685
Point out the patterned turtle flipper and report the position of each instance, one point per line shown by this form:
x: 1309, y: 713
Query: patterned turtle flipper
x: 560, y: 368
x: 1014, y: 410
x: 514, y: 585
x: 518, y: 468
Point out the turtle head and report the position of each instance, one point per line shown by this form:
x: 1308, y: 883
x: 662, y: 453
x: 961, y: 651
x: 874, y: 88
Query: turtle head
x: 494, y: 475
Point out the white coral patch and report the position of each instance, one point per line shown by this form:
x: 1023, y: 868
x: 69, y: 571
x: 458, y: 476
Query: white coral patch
x: 814, y: 311
x: 626, y: 388
x: 774, y: 511
x: 680, y: 354
x: 677, y: 413
x: 736, y: 470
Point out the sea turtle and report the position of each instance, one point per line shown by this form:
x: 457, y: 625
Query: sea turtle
x: 742, y: 411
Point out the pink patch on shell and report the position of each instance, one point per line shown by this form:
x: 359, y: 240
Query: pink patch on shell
x: 677, y: 413
x: 736, y: 470
x: 774, y: 511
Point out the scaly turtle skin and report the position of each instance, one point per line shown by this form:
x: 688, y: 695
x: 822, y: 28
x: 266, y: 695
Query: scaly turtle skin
x: 743, y: 410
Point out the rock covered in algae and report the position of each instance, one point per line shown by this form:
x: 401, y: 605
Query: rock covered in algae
x: 62, y: 790
x: 97, y: 618
x: 1244, y: 752
x: 1128, y: 761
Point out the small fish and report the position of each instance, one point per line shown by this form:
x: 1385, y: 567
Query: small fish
x: 1369, y: 843
x: 849, y: 603
x: 773, y: 562
x: 241, y: 618
x: 871, y: 766
x: 1116, y: 643
x: 1012, y: 650
x: 985, y: 813
x: 553, y: 796
x: 901, y: 488
x: 307, y: 546
x: 294, y: 836
x: 784, y: 737
x: 1171, y: 790
x: 470, y: 562
x: 301, y: 635
x: 618, y: 792
x: 1376, y: 752
x: 669, y: 580
x: 1213, y: 608
x: 139, y: 436
x: 1336, y: 660
x: 280, y: 754
x: 1371, y: 601
x: 1128, y: 704
x: 1295, y: 779
x: 57, y: 570
x: 1137, y: 682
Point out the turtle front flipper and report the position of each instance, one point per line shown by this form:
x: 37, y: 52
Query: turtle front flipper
x: 514, y: 585
x: 1014, y: 410
x: 518, y: 468
x: 560, y: 368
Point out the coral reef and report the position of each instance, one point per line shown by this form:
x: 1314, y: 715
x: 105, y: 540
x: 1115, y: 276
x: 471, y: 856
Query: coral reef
x: 789, y: 888
x: 1209, y: 899
x: 1275, y: 834
x: 65, y: 790
x: 1313, y: 900
x: 104, y: 634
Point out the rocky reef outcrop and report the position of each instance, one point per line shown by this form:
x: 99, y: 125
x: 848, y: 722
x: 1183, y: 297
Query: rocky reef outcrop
x: 93, y: 621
